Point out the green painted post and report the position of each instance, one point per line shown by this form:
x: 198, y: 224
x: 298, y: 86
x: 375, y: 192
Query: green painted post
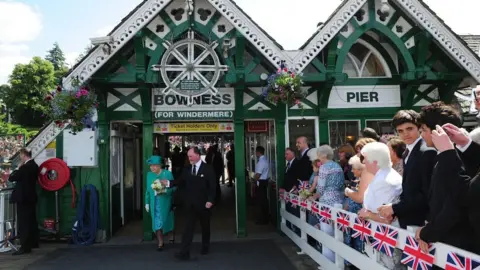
x: 147, y: 139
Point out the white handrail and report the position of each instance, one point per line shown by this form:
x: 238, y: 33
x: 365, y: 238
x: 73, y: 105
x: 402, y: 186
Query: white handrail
x: 336, y: 244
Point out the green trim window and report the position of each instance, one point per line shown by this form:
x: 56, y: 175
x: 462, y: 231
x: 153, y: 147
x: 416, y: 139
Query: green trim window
x: 381, y: 126
x: 343, y: 132
x: 303, y: 126
x: 365, y: 61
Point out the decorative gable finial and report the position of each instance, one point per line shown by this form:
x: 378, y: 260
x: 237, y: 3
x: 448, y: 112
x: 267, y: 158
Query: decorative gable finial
x: 189, y: 7
x: 385, y: 7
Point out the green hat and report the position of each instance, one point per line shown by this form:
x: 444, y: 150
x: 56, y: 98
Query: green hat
x: 154, y: 160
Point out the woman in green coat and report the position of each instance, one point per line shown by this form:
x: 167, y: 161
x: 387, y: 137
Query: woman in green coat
x: 159, y: 205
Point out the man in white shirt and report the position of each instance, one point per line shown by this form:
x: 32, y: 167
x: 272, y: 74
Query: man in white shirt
x: 262, y: 169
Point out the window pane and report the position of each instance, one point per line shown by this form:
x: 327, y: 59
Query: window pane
x: 349, y: 68
x: 373, y: 67
x: 343, y: 132
x: 359, y: 52
x: 304, y: 127
x: 382, y: 127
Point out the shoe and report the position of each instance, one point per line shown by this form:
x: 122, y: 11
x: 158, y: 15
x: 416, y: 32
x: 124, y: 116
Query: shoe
x: 204, y: 251
x: 160, y: 248
x: 21, y: 252
x: 182, y: 256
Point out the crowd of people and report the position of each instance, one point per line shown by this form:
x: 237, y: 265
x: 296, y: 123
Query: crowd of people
x: 9, y: 145
x: 425, y: 177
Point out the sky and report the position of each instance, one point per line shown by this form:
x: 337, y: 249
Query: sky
x: 30, y: 27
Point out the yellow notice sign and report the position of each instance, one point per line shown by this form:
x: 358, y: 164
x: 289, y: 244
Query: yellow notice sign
x: 193, y: 127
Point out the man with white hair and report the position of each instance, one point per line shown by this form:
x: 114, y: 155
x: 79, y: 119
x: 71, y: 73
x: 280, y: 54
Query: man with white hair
x: 385, y: 187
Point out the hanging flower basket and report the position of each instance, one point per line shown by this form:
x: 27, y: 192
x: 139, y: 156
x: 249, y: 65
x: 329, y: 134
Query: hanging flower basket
x: 75, y: 107
x: 284, y: 86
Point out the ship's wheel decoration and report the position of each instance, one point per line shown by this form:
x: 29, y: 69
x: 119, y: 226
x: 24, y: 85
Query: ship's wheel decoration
x: 190, y: 67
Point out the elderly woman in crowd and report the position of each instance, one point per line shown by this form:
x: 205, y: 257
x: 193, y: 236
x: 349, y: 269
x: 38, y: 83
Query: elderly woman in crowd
x: 365, y: 176
x: 330, y: 186
x: 350, y: 204
x: 397, y: 148
x: 385, y: 188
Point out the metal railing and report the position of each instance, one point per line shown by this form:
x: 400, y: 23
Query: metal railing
x: 440, y: 254
x: 8, y: 224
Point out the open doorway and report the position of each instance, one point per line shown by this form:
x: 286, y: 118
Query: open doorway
x: 214, y: 148
x: 126, y: 178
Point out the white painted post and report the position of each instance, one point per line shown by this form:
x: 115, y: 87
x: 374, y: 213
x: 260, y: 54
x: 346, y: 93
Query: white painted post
x: 338, y: 234
x: 282, y: 207
x: 303, y: 234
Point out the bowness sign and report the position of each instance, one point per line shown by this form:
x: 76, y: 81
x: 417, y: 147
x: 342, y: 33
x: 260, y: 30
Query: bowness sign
x: 205, y: 107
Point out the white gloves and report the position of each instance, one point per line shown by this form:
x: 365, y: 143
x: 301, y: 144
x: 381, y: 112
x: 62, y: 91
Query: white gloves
x: 147, y: 207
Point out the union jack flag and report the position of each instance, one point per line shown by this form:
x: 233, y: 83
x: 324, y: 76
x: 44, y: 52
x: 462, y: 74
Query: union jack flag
x: 385, y: 239
x: 343, y: 221
x: 304, y: 204
x: 413, y: 256
x: 363, y: 229
x: 315, y: 208
x: 295, y: 200
x: 281, y: 195
x: 326, y: 214
x: 458, y: 262
x: 303, y: 185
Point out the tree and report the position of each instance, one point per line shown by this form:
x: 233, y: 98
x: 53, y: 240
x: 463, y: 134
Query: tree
x: 57, y: 58
x: 85, y: 52
x: 30, y: 84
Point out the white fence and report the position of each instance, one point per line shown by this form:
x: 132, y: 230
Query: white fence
x: 440, y: 254
x: 7, y: 221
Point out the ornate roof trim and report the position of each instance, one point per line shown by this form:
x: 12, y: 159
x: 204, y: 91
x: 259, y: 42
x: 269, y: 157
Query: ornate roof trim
x: 252, y: 32
x: 121, y: 35
x: 330, y: 29
x: 418, y: 10
x: 147, y: 10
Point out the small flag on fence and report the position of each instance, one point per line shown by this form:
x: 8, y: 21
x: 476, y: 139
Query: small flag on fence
x: 385, y: 239
x: 303, y: 185
x: 315, y: 207
x: 326, y: 214
x: 459, y: 262
x: 343, y: 221
x: 295, y: 200
x: 363, y: 229
x: 413, y: 256
x: 304, y: 204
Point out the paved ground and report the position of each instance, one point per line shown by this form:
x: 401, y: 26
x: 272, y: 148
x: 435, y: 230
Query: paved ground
x: 259, y: 254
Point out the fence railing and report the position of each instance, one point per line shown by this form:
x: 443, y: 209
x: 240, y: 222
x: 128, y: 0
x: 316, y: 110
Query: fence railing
x: 341, y: 220
x: 8, y: 224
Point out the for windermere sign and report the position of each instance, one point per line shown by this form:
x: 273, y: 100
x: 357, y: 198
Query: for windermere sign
x: 205, y: 107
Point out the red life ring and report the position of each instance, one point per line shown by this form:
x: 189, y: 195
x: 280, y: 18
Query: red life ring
x: 54, y: 174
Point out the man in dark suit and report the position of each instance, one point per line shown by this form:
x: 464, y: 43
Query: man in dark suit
x: 305, y: 167
x: 290, y: 183
x: 24, y: 195
x: 214, y: 159
x: 412, y: 208
x: 447, y: 221
x: 199, y: 181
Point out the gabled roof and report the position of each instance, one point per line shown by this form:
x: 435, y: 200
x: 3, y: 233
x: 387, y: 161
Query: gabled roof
x: 147, y: 10
x: 417, y: 9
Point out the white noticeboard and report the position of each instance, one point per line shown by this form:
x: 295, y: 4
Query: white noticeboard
x: 364, y: 96
x: 81, y: 149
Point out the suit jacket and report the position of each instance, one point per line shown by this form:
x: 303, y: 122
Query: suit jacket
x: 466, y: 189
x: 200, y: 188
x: 305, y: 169
x: 412, y: 209
x: 448, y: 222
x: 291, y: 175
x: 25, y: 179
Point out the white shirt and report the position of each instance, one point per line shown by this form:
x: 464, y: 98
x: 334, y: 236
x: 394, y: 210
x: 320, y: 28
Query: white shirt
x: 262, y: 168
x: 463, y: 149
x: 289, y: 164
x: 303, y: 152
x: 410, y: 148
x: 197, y: 166
x: 385, y: 188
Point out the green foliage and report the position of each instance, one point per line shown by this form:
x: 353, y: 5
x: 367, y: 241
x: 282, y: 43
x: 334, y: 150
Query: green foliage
x: 56, y: 57
x: 30, y: 83
x: 12, y: 129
